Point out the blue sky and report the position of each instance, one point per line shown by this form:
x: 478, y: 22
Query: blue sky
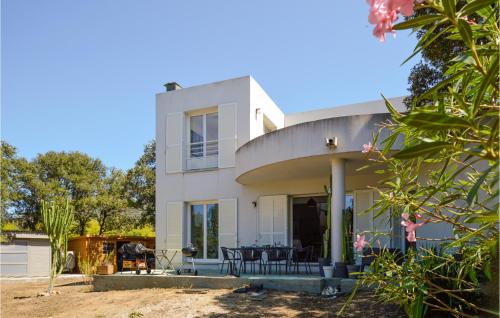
x: 82, y: 75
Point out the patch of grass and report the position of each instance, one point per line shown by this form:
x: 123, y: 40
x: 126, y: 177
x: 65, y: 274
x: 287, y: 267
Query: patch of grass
x: 135, y: 314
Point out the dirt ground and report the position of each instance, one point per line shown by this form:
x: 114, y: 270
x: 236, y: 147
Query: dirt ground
x: 19, y: 299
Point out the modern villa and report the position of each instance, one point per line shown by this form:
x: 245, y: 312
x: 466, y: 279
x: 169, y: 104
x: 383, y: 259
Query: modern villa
x: 233, y: 170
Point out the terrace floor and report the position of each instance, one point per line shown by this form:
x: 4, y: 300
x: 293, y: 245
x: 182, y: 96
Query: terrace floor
x: 208, y: 278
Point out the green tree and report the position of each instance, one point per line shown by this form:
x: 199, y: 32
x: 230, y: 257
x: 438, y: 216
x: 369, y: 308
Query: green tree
x: 111, y: 203
x: 56, y: 175
x: 435, y: 58
x: 11, y: 168
x: 140, y: 185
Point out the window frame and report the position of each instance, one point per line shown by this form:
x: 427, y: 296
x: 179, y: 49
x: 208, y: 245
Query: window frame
x: 205, y: 204
x: 205, y: 142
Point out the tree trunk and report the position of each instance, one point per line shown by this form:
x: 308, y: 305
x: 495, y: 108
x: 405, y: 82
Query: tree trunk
x: 81, y: 228
x: 102, y: 223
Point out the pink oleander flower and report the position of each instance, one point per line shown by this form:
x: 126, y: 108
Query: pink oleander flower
x: 382, y: 18
x: 367, y: 147
x: 360, y: 243
x: 405, y: 7
x: 383, y: 14
x: 470, y: 21
x: 411, y: 227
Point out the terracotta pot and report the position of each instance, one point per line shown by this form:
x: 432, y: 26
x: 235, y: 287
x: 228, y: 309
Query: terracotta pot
x: 107, y: 269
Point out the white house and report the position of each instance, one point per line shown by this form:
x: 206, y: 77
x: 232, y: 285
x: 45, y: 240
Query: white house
x: 232, y: 170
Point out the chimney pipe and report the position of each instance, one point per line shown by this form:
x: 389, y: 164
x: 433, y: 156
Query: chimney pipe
x: 172, y: 86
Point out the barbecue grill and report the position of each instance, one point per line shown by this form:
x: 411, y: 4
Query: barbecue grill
x: 189, y: 252
x: 139, y: 253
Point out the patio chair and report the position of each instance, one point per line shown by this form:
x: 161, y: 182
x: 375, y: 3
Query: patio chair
x: 276, y: 256
x: 230, y: 257
x: 302, y: 256
x: 252, y: 256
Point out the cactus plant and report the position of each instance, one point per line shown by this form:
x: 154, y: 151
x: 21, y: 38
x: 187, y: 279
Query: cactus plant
x: 57, y: 220
x: 326, y: 236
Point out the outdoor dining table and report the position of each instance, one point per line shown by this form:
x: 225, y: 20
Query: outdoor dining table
x: 236, y: 251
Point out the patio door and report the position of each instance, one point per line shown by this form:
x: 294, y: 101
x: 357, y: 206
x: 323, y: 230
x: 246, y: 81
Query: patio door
x: 273, y: 220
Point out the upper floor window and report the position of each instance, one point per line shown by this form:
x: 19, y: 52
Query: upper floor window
x: 203, y: 147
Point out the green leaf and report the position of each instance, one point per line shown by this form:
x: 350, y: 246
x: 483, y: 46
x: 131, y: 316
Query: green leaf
x: 422, y: 149
x: 474, y: 6
x: 466, y: 32
x: 449, y: 8
x: 417, y: 22
x: 440, y: 85
x: 435, y: 121
x: 473, y: 276
x: 472, y: 195
x: 491, y: 217
x: 490, y: 79
x: 487, y: 270
x: 391, y: 108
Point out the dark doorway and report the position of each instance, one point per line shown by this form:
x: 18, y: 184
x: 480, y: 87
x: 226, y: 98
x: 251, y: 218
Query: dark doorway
x: 309, y: 222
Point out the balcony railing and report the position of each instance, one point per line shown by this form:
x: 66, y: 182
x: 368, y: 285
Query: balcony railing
x: 202, y: 155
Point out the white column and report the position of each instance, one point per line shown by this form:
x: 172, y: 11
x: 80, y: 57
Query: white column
x: 338, y: 202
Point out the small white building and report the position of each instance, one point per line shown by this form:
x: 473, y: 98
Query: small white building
x: 232, y: 170
x: 25, y: 254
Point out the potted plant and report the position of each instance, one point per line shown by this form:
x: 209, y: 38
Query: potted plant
x: 348, y: 246
x: 107, y: 265
x: 342, y: 268
x: 324, y: 260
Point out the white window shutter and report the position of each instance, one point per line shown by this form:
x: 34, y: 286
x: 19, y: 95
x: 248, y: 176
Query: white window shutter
x: 175, y: 211
x: 382, y: 223
x: 160, y: 229
x: 228, y: 222
x: 173, y: 147
x: 363, y: 199
x: 273, y: 219
x: 227, y: 135
x: 280, y: 219
x: 266, y: 212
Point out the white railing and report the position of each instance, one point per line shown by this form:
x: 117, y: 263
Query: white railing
x: 202, y: 155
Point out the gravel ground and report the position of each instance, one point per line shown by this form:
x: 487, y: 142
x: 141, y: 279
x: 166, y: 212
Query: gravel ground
x: 20, y: 299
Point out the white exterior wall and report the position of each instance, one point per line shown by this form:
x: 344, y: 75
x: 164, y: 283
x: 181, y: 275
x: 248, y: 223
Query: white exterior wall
x: 176, y: 188
x: 262, y: 105
x: 185, y: 186
x: 365, y: 108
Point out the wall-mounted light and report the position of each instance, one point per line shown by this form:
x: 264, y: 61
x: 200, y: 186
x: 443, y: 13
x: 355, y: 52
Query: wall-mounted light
x: 254, y: 203
x: 331, y: 142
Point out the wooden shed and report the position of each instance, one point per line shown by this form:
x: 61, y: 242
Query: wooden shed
x: 92, y: 248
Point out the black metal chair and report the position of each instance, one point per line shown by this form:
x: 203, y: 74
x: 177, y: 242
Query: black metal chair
x: 252, y: 256
x: 230, y: 257
x: 302, y: 256
x: 276, y: 256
